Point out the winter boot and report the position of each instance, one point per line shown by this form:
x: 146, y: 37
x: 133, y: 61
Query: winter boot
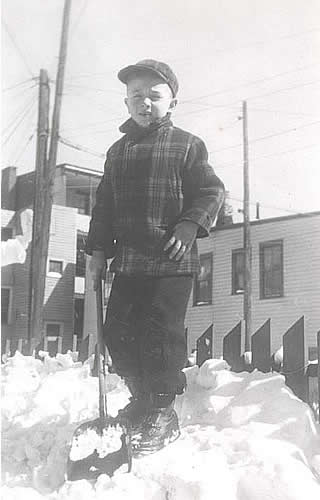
x: 138, y: 407
x: 159, y: 428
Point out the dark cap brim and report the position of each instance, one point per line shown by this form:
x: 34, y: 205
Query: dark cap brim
x: 125, y: 73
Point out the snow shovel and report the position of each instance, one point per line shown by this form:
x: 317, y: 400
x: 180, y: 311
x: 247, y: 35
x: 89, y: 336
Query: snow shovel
x: 103, y: 445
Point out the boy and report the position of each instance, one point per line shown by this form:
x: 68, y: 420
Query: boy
x: 157, y: 195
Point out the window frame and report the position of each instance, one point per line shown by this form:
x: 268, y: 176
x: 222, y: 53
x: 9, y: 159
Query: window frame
x: 82, y: 299
x: 85, y: 196
x: 236, y: 251
x: 10, y: 303
x: 262, y: 246
x: 196, y: 301
x: 53, y: 338
x: 82, y: 273
x: 53, y: 273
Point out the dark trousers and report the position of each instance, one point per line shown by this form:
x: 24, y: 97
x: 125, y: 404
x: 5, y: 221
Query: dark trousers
x: 144, y: 330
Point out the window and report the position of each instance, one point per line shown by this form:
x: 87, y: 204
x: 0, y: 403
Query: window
x: 52, y: 341
x: 5, y: 305
x: 82, y: 199
x: 237, y: 271
x: 55, y: 266
x: 78, y: 316
x: 312, y: 353
x: 202, y: 290
x: 6, y: 233
x: 81, y: 255
x: 53, y: 330
x: 271, y: 269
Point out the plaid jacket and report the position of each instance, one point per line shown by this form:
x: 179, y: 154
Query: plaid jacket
x: 153, y: 179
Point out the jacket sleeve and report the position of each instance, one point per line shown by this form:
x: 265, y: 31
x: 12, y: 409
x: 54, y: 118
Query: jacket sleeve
x: 203, y: 191
x: 101, y: 236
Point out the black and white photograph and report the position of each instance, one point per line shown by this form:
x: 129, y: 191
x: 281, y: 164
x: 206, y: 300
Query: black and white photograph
x: 160, y: 250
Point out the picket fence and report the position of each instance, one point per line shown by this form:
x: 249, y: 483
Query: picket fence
x: 302, y: 376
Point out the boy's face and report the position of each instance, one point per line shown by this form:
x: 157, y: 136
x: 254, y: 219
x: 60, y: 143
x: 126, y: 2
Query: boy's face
x: 148, y: 99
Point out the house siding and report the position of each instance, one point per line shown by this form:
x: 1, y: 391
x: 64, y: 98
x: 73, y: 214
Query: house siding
x: 59, y: 291
x: 199, y: 318
x: 301, y: 271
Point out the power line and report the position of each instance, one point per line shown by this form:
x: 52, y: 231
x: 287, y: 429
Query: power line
x: 17, y: 115
x: 77, y: 20
x: 254, y: 158
x: 24, y: 148
x: 258, y: 139
x: 253, y: 203
x: 97, y: 105
x: 249, y: 83
x: 263, y: 138
x: 23, y: 116
x: 280, y: 111
x: 67, y: 142
x: 234, y: 103
x: 231, y: 105
x: 93, y: 89
x: 208, y: 107
x: 92, y: 125
x: 230, y: 49
x: 237, y: 103
x: 78, y: 147
x: 314, y: 82
x: 28, y: 127
x: 19, y: 85
x: 17, y: 48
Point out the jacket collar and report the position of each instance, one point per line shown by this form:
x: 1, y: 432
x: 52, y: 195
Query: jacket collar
x: 135, y: 132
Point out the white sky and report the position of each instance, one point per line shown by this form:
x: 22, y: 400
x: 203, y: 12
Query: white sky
x: 264, y: 51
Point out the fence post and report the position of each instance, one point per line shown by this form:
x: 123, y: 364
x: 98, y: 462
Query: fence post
x: 19, y: 348
x: 232, y: 348
x: 59, y: 349
x: 7, y: 347
x: 84, y: 349
x: 204, y: 346
x: 295, y: 359
x: 45, y: 343
x: 74, y: 343
x: 261, y: 348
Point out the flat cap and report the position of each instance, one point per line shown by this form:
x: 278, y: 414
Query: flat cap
x: 157, y: 67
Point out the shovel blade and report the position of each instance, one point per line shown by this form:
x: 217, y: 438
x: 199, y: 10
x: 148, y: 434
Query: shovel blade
x: 98, y: 449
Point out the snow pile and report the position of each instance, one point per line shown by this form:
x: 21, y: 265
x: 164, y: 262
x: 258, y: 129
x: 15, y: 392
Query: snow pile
x: 245, y: 436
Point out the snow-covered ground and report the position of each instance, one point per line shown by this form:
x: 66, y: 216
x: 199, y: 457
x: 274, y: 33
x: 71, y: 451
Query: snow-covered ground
x: 245, y: 436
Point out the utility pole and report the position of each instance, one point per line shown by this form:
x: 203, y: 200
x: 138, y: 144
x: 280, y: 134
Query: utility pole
x: 49, y: 173
x: 36, y: 289
x: 246, y: 235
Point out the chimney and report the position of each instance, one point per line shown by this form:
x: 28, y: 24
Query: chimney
x: 8, y: 188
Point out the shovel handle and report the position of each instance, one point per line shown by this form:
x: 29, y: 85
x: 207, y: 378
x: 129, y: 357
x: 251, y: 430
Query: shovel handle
x: 101, y: 355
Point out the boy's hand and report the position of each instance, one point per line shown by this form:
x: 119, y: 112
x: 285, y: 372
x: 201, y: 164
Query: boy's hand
x: 182, y: 239
x: 97, y: 266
